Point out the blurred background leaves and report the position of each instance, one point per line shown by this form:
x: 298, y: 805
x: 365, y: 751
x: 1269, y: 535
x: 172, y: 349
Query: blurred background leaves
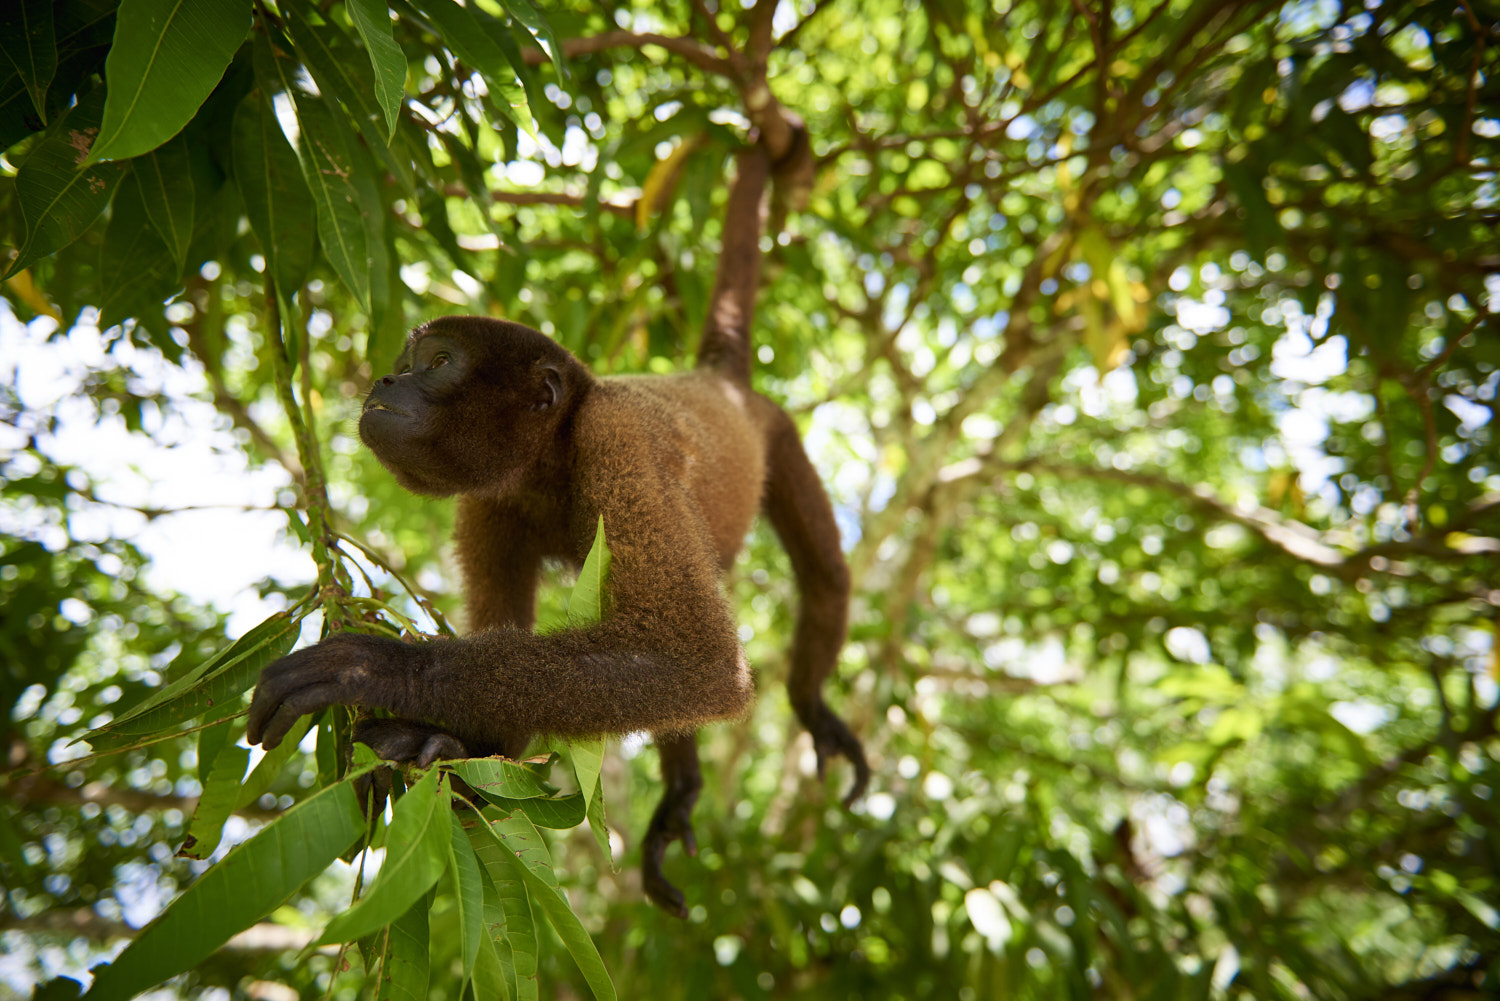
x: 1148, y: 350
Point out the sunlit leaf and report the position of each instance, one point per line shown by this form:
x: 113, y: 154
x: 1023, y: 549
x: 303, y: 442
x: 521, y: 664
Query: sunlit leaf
x: 416, y: 852
x: 167, y: 57
x: 220, y: 792
x: 250, y: 882
x: 372, y: 21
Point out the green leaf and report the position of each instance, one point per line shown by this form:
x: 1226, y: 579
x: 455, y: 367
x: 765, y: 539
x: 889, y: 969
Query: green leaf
x: 587, y: 758
x: 210, y: 690
x: 28, y: 41
x: 527, y: 853
x: 210, y: 742
x: 416, y: 851
x: 1262, y: 228
x: 463, y: 30
x: 328, y: 167
x: 167, y: 57
x: 507, y: 914
x: 333, y: 60
x: 373, y: 22
x: 586, y: 603
x: 136, y: 270
x: 468, y: 894
x: 271, y: 764
x: 523, y: 11
x: 58, y: 200
x: 166, y: 178
x: 220, y: 793
x: 252, y: 881
x: 500, y: 777
x: 562, y: 813
x: 280, y: 207
x: 403, y: 964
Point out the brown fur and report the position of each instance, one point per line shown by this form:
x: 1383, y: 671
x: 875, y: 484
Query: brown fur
x: 538, y: 450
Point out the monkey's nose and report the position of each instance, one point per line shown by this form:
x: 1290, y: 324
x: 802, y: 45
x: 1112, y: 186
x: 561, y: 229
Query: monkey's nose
x: 389, y: 380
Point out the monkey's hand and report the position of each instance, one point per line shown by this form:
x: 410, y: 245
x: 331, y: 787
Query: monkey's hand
x: 347, y: 669
x: 671, y: 822
x: 832, y: 737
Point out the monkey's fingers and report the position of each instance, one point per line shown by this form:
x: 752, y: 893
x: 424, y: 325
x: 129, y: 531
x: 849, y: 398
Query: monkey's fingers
x: 274, y: 720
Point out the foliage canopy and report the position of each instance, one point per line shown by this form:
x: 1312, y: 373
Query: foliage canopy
x: 1148, y: 349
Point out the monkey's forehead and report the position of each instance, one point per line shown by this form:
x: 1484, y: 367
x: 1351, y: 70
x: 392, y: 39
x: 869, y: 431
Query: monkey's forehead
x: 472, y: 326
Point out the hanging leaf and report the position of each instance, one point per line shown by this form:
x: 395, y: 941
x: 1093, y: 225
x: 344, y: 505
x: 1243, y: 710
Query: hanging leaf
x: 166, y: 59
x: 403, y: 966
x: 333, y: 60
x: 468, y: 895
x: 463, y: 31
x: 416, y: 851
x: 523, y: 11
x: 136, y: 270
x: 280, y: 208
x: 211, y: 690
x: 166, y: 179
x: 328, y: 166
x: 216, y: 802
x: 251, y: 881
x: 507, y: 915
x: 58, y: 199
x: 373, y: 22
x: 527, y: 853
x: 27, y: 39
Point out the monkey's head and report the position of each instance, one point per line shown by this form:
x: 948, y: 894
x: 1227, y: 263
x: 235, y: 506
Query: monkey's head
x: 475, y: 405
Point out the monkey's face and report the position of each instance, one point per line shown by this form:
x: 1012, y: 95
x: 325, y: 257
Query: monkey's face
x: 474, y: 405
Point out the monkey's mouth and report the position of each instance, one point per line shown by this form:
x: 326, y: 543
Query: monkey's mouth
x: 371, y: 406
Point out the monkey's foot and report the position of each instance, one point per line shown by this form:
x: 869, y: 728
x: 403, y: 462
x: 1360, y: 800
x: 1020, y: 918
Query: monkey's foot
x: 831, y: 737
x: 408, y: 743
x: 671, y: 822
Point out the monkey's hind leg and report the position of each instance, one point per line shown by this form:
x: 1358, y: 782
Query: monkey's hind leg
x: 799, y: 510
x: 672, y: 820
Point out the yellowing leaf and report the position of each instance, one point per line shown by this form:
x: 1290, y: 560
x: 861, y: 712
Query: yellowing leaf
x: 661, y: 180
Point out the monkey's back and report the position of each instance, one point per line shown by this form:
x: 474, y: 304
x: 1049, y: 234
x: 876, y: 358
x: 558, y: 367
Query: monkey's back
x: 703, y: 431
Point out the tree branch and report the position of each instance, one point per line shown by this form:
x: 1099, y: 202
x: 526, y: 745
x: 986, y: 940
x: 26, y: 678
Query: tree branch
x: 685, y: 46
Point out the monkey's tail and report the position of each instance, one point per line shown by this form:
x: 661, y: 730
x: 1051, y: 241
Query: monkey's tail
x: 725, y: 346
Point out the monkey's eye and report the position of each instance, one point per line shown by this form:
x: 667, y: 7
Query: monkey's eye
x: 438, y: 361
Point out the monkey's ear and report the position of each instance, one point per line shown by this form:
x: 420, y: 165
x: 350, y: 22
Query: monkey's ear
x: 550, y: 392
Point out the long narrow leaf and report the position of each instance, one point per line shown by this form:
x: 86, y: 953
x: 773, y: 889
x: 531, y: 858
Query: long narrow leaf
x: 416, y: 851
x: 213, y: 697
x: 372, y: 21
x: 527, y: 853
x: 468, y: 887
x: 507, y: 913
x: 216, y: 802
x: 328, y: 167
x: 404, y: 966
x: 28, y: 39
x: 248, y: 884
x: 166, y: 178
x: 281, y: 210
